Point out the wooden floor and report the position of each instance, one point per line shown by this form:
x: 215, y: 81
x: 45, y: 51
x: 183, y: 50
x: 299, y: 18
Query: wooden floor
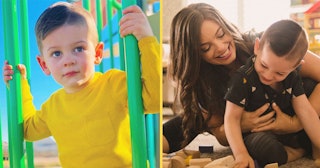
x: 207, y: 139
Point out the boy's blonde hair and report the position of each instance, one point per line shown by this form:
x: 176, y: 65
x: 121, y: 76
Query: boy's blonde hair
x: 63, y: 13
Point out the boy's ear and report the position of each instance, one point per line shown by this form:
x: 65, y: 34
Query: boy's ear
x: 43, y: 65
x: 99, y: 53
x: 256, y: 46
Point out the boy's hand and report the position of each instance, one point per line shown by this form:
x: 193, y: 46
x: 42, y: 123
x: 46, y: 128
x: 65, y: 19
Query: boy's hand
x: 244, y: 161
x: 8, y: 71
x: 135, y: 22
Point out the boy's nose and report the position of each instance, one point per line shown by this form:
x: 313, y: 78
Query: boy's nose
x: 268, y: 75
x: 69, y: 60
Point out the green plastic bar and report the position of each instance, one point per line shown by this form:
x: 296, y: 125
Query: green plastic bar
x: 121, y: 49
x: 4, y: 31
x: 1, y: 147
x: 26, y: 61
x: 14, y: 105
x: 109, y: 9
x: 86, y: 4
x: 117, y: 5
x: 99, y: 26
x: 137, y: 121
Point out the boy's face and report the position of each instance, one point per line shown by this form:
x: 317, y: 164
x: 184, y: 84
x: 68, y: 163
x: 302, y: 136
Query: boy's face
x: 69, y: 55
x: 270, y: 68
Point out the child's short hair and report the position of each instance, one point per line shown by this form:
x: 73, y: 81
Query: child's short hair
x: 286, y: 38
x: 62, y: 13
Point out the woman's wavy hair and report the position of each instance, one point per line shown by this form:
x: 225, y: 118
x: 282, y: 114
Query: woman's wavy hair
x: 199, y: 82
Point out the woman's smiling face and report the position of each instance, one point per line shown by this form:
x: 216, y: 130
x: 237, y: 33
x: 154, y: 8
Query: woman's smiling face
x: 217, y: 46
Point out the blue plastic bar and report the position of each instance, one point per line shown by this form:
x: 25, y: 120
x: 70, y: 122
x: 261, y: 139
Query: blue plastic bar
x: 151, y: 140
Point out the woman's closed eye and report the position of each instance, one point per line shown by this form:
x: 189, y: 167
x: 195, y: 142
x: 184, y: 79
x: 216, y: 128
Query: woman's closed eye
x: 220, y: 34
x: 205, y: 47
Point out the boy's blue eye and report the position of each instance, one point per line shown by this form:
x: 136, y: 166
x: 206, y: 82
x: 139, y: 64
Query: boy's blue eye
x: 56, y: 54
x: 78, y: 49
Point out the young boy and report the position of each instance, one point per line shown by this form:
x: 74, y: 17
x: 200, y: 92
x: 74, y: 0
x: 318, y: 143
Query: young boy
x: 88, y: 117
x: 271, y: 76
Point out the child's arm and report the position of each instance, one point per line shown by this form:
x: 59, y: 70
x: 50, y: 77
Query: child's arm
x: 308, y: 117
x: 233, y: 132
x: 135, y: 22
x: 34, y: 127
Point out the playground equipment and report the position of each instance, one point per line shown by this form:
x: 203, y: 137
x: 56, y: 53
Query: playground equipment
x: 142, y: 137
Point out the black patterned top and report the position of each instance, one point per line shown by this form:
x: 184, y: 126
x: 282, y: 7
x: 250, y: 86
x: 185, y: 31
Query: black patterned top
x: 247, y: 91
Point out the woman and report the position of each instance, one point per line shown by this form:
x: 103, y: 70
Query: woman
x: 205, y: 49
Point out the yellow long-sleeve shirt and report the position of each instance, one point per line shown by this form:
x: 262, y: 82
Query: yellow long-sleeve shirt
x: 91, y: 127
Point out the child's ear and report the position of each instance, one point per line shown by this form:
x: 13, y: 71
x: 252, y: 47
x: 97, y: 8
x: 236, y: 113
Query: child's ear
x: 256, y: 46
x: 43, y: 65
x: 99, y: 53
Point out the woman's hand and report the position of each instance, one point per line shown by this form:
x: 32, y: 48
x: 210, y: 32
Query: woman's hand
x: 253, y: 120
x: 283, y: 123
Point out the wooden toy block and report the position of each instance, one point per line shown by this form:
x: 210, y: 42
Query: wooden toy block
x: 317, y: 163
x: 271, y: 165
x: 178, y: 162
x: 206, y: 149
x: 227, y: 162
x: 199, y: 162
x: 194, y: 167
x: 193, y: 153
x: 185, y: 153
x: 166, y: 164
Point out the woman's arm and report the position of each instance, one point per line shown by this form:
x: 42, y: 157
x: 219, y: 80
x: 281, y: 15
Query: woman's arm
x: 173, y: 135
x: 310, y: 68
x: 308, y: 117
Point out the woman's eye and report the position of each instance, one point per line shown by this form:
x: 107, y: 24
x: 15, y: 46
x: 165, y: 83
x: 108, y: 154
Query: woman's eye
x: 205, y: 48
x: 221, y: 34
x: 56, y: 54
x: 78, y: 49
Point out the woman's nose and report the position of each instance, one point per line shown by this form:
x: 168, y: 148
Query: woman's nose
x: 220, y: 47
